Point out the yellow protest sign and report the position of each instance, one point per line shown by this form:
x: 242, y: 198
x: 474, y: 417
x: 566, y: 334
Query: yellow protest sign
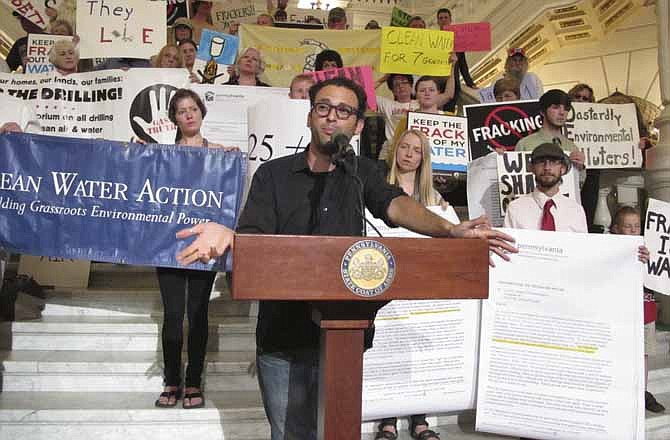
x: 416, y: 51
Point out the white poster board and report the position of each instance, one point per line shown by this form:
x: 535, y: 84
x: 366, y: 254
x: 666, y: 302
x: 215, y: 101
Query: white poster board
x: 225, y: 12
x: 121, y: 28
x: 424, y: 356
x: 57, y: 272
x: 39, y: 46
x: 482, y: 189
x: 33, y: 10
x: 515, y: 179
x: 657, y: 240
x: 608, y: 134
x: 559, y: 359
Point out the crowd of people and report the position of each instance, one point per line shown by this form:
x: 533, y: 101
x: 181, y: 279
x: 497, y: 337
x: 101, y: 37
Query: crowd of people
x: 308, y: 194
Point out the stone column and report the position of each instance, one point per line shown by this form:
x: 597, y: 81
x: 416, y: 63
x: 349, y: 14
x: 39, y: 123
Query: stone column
x: 658, y: 159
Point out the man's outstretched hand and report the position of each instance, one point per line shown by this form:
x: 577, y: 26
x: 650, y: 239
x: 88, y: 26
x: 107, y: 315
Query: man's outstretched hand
x: 499, y: 242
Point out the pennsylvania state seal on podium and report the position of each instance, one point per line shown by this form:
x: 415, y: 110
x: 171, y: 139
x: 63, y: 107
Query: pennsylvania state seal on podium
x: 368, y: 268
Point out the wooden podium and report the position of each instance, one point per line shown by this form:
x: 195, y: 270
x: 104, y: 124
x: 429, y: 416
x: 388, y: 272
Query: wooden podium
x: 310, y: 268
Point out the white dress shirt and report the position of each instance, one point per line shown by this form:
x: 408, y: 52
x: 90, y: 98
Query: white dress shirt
x: 526, y: 213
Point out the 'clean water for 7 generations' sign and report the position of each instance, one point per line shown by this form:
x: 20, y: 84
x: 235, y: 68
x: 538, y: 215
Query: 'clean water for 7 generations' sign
x: 108, y: 201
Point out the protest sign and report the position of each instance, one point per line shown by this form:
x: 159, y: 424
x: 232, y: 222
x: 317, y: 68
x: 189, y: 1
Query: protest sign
x: 515, y: 178
x: 486, y: 95
x: 361, y: 75
x: 277, y: 129
x: 33, y: 10
x: 606, y: 133
x: 482, y: 189
x: 109, y: 104
x: 416, y: 51
x: 121, y: 28
x: 448, y: 139
x: 559, y: 357
x: 225, y: 12
x: 471, y: 37
x: 216, y: 52
x: 107, y: 201
x: 176, y: 9
x: 226, y: 119
x: 57, y: 272
x: 399, y: 17
x: 39, y: 46
x: 500, y: 125
x: 656, y: 238
x: 401, y: 377
x: 290, y: 52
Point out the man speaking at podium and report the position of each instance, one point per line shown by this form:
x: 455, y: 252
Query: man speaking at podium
x: 317, y: 192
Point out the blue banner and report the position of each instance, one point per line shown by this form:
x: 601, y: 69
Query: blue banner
x: 112, y: 201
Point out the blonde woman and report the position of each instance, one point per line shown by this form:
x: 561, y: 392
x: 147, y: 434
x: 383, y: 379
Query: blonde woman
x: 64, y: 55
x: 168, y: 57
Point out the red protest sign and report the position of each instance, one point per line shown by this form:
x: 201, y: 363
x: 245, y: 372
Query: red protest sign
x: 361, y: 75
x: 471, y: 37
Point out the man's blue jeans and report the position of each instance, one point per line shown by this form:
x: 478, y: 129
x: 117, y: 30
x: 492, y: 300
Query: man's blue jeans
x: 289, y: 383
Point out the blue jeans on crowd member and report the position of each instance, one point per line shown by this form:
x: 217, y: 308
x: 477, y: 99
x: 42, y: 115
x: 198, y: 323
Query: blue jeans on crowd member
x: 289, y: 383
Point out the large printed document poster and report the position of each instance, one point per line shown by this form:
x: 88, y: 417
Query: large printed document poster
x: 425, y: 352
x: 562, y: 339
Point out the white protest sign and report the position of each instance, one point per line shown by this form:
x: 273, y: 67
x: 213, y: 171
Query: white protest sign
x: 606, y: 133
x: 482, y: 189
x: 401, y: 376
x: 377, y: 228
x: 226, y: 120
x: 559, y: 358
x: 33, y: 10
x: 225, y: 12
x: 109, y: 104
x: 39, y: 46
x: 515, y: 178
x: 121, y: 28
x: 657, y: 240
x: 277, y: 128
x: 448, y: 138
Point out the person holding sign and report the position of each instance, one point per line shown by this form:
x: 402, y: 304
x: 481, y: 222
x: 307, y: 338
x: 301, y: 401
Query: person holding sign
x: 182, y: 288
x: 626, y: 221
x: 554, y: 107
x: 410, y: 169
x: 315, y: 192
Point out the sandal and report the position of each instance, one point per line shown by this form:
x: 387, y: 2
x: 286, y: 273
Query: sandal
x: 176, y: 393
x: 196, y: 395
x: 388, y: 435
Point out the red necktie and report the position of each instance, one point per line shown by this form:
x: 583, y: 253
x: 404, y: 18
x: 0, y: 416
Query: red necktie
x: 548, y: 223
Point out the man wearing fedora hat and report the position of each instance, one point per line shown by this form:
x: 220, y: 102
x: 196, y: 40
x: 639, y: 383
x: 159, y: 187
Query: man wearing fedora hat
x: 546, y: 208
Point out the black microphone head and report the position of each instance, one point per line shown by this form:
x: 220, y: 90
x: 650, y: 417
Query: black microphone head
x: 339, y: 141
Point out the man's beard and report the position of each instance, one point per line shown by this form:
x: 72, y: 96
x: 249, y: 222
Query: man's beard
x: 548, y: 184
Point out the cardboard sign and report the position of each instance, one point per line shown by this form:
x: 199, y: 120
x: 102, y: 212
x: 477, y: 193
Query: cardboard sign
x: 515, y: 178
x: 608, y: 134
x: 448, y: 137
x: 361, y: 75
x: 500, y: 125
x: 416, y: 51
x: 657, y: 240
x: 121, y: 28
x: 57, y: 272
x: 471, y: 37
x: 216, y: 52
x: 399, y: 17
x: 33, y: 10
x: 225, y: 12
x: 39, y: 46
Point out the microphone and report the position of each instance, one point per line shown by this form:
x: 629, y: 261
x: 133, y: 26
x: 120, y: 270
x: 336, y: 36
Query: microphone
x: 338, y: 144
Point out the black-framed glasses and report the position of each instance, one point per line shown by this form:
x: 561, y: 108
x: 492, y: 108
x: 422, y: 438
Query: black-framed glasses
x: 342, y: 111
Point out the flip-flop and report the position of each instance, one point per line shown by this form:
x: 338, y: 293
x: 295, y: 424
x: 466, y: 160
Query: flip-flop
x: 168, y: 394
x: 195, y: 395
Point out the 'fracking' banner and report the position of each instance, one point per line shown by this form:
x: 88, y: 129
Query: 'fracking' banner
x: 106, y: 201
x: 448, y: 137
x: 606, y: 133
x: 500, y: 125
x: 657, y: 240
x: 290, y: 52
x: 226, y: 12
x: 109, y: 104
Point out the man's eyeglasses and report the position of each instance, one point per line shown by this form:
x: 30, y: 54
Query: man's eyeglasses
x: 342, y: 111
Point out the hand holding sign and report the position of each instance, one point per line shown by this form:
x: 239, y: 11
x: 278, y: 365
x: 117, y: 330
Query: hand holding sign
x: 211, y: 242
